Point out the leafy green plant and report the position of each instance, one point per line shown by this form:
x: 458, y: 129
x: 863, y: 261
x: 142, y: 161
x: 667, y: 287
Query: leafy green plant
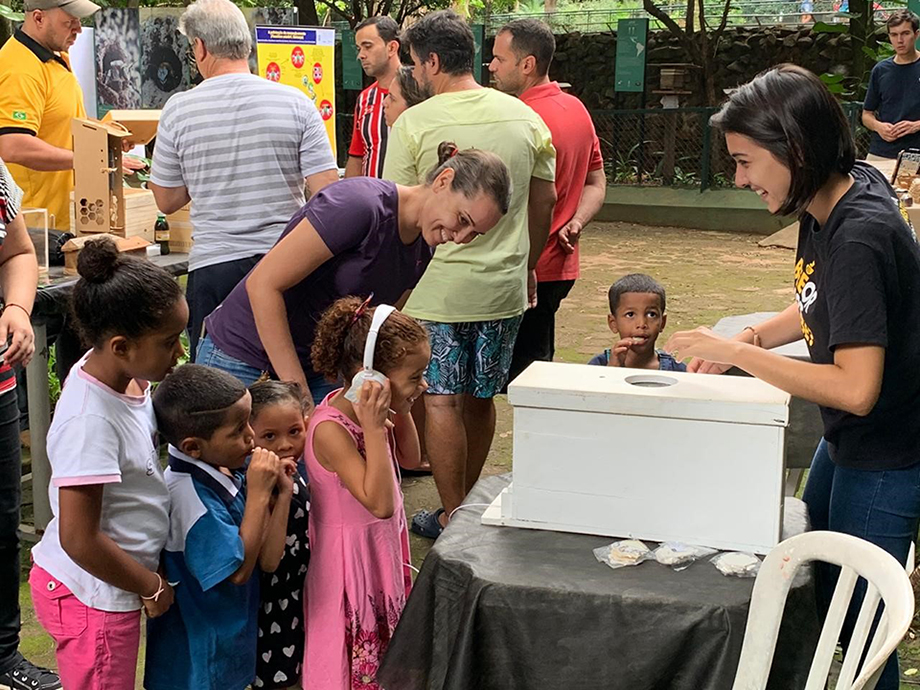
x: 685, y: 179
x: 54, y: 384
x: 624, y: 168
x: 836, y: 84
x: 722, y: 180
x: 871, y: 51
x: 10, y: 14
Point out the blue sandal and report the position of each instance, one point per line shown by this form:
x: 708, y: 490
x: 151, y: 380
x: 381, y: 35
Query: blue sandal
x: 425, y: 523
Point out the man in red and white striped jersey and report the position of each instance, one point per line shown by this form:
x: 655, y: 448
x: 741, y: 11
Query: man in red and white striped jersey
x: 378, y: 51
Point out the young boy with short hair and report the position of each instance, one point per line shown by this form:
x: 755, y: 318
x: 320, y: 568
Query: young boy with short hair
x: 637, y: 316
x: 222, y: 526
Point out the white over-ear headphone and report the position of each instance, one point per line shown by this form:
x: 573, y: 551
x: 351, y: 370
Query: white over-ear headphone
x: 368, y: 373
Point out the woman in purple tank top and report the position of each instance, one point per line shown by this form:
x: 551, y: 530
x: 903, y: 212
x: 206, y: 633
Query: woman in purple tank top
x: 355, y: 237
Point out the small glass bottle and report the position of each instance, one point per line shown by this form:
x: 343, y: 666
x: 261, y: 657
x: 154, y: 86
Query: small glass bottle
x: 161, y: 234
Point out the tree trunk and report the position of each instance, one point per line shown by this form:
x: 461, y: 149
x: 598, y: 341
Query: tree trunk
x: 861, y: 31
x: 709, y: 82
x: 550, y: 6
x: 306, y: 12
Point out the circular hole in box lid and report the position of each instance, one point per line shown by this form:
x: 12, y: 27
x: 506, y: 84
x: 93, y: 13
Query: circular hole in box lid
x: 650, y: 381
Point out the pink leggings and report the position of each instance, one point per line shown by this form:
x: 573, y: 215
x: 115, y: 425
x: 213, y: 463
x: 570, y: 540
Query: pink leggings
x: 95, y: 650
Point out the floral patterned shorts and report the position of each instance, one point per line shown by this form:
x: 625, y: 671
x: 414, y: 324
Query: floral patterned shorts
x: 471, y: 357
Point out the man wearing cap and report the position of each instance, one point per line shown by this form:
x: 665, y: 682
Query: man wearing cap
x: 39, y: 96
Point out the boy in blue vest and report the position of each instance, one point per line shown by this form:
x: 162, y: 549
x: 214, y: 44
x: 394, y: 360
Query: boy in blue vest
x: 222, y: 525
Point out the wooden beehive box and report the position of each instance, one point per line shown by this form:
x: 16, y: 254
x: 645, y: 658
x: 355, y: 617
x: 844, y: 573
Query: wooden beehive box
x: 141, y: 124
x: 98, y: 176
x: 662, y: 456
x: 180, y: 230
x: 140, y: 216
x: 134, y: 246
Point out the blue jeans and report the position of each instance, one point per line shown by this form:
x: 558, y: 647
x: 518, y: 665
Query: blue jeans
x: 880, y: 506
x: 211, y: 356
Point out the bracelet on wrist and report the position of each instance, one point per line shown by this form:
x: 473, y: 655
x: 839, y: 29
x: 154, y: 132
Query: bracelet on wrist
x: 19, y: 306
x: 756, y: 341
x: 160, y: 589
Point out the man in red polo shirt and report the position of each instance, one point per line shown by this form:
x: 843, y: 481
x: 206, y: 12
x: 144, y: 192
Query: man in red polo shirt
x: 378, y: 51
x: 522, y: 55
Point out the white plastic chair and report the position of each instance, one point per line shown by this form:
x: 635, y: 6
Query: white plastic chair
x: 887, y: 581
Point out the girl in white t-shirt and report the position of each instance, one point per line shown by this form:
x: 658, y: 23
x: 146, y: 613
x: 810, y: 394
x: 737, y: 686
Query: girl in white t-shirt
x: 97, y: 565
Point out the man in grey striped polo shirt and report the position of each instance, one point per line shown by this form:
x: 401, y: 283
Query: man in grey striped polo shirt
x: 238, y: 147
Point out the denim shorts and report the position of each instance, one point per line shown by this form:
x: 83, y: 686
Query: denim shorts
x: 472, y: 357
x: 210, y: 355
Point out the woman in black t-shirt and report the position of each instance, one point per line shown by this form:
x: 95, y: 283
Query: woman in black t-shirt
x: 857, y: 305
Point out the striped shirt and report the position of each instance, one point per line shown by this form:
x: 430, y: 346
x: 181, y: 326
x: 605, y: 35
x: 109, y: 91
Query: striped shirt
x: 369, y: 138
x: 242, y: 146
x: 10, y: 202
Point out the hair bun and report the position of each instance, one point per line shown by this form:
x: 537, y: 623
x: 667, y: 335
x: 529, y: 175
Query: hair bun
x: 98, y: 260
x: 446, y: 151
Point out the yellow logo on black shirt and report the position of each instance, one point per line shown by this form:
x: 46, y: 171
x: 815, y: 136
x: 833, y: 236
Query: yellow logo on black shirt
x: 806, y: 292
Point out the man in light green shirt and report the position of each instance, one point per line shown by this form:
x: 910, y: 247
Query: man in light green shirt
x: 472, y: 297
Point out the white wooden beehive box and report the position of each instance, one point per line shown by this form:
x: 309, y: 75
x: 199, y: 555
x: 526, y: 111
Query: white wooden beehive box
x: 660, y: 456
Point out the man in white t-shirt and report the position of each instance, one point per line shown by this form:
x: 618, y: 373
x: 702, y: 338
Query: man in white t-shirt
x: 240, y: 148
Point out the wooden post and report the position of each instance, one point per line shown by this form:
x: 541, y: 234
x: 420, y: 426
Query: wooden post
x: 39, y: 423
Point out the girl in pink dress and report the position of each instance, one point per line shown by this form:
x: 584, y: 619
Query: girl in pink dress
x: 359, y: 578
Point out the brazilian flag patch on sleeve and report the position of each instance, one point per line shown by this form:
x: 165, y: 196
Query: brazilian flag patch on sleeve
x: 20, y: 115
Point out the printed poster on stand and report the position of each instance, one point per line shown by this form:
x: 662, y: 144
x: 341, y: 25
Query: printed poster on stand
x: 302, y: 57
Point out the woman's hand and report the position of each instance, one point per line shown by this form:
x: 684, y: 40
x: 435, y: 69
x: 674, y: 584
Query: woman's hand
x: 373, y: 405
x: 16, y: 327
x: 711, y: 353
x: 701, y: 366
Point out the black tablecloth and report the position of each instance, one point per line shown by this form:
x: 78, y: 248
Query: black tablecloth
x: 52, y: 299
x: 507, y: 608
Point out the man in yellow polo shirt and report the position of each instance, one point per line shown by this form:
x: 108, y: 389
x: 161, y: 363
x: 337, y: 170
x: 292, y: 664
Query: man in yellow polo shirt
x: 39, y: 96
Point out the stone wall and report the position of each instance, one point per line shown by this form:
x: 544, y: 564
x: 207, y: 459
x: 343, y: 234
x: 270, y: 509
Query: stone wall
x: 671, y: 148
x: 587, y: 61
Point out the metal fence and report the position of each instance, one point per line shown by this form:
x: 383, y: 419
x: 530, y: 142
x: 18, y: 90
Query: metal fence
x: 656, y: 147
x: 676, y: 148
x: 765, y: 13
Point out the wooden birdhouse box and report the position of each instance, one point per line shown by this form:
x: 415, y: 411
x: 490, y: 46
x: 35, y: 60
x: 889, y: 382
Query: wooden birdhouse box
x: 141, y: 124
x: 99, y: 196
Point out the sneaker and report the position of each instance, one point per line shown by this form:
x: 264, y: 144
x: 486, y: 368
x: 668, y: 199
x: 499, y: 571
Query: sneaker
x: 27, y: 676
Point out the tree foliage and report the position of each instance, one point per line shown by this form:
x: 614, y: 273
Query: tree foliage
x: 698, y: 36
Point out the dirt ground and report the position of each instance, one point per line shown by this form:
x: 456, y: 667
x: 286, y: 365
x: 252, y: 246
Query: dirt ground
x: 707, y: 275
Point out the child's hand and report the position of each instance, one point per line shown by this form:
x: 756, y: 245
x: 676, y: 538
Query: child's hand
x: 618, y: 353
x: 286, y: 472
x: 262, y: 475
x: 157, y: 608
x: 373, y: 405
